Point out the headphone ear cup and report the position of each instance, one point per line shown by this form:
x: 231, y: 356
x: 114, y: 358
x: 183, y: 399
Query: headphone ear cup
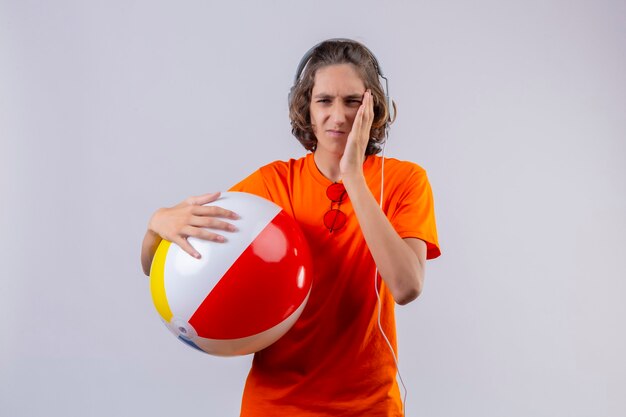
x: 391, y: 108
x: 290, y: 96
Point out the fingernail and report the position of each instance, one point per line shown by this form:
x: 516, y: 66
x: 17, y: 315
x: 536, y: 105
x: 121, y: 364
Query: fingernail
x: 196, y: 255
x: 221, y: 239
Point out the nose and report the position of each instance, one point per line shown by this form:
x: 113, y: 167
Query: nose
x: 338, y: 113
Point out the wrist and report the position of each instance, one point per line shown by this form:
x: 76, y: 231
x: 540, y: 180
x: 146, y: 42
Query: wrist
x: 151, y: 223
x: 353, y: 179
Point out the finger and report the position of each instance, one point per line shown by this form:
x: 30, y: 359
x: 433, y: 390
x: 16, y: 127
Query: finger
x: 186, y: 246
x: 212, y: 223
x: 368, y: 114
x: 370, y: 107
x: 203, y: 199
x: 214, y: 211
x: 203, y: 234
x: 363, y: 125
x: 358, y: 119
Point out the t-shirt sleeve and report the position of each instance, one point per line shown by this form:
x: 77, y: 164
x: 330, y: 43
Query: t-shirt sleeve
x: 253, y: 184
x: 414, y: 215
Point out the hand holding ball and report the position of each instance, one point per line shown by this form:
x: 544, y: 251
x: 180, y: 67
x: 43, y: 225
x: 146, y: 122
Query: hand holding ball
x: 240, y: 296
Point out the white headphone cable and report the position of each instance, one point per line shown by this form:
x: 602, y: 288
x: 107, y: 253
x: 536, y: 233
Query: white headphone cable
x: 380, y: 327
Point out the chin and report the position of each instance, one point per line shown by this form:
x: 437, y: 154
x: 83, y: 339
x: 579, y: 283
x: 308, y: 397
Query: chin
x: 336, y: 146
x: 332, y: 146
x: 336, y: 150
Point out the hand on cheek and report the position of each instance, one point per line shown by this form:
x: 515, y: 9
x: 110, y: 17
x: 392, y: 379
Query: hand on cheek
x: 354, y: 154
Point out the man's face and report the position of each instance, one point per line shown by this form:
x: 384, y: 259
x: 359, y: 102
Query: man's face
x: 337, y: 95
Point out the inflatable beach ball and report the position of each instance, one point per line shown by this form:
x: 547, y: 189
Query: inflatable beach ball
x: 242, y: 295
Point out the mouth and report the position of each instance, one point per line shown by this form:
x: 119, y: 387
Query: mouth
x: 335, y: 133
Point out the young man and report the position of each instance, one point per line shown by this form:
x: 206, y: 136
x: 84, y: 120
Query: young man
x: 367, y: 253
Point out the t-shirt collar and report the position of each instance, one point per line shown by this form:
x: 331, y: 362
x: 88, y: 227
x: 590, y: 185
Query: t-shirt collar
x: 320, y: 178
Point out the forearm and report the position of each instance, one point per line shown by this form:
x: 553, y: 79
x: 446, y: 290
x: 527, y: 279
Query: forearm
x: 149, y: 246
x: 398, y: 264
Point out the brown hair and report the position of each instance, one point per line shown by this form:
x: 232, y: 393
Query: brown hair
x: 334, y: 52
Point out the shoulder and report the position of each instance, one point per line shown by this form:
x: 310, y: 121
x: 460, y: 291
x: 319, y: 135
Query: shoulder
x: 406, y: 166
x: 281, y: 168
x: 397, y: 168
x: 270, y: 180
x: 280, y: 176
x: 277, y: 180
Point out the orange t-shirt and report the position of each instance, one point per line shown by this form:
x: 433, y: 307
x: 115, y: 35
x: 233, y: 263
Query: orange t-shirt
x: 334, y: 360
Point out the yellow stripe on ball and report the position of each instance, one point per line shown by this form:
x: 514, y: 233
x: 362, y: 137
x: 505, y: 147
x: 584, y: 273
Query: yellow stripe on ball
x: 157, y: 281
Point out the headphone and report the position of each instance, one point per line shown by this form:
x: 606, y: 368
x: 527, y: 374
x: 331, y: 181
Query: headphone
x: 307, y: 56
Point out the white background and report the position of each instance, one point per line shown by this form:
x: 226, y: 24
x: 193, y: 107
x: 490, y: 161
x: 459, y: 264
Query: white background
x: 517, y: 110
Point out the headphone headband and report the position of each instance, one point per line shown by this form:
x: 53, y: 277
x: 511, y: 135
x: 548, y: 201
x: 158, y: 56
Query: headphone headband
x: 307, y: 56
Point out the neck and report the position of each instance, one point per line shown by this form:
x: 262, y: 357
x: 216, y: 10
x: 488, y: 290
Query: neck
x: 328, y: 165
